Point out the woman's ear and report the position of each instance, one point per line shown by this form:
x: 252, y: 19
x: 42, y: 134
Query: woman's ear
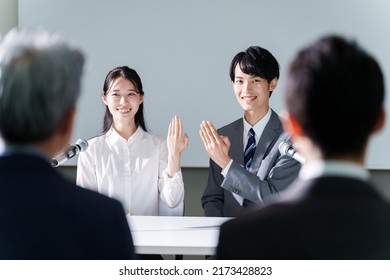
x: 142, y: 99
x: 104, y: 98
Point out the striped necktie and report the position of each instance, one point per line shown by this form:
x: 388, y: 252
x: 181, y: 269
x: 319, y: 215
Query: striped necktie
x: 250, y: 149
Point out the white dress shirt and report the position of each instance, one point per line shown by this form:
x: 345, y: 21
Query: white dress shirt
x: 258, y: 128
x: 132, y: 171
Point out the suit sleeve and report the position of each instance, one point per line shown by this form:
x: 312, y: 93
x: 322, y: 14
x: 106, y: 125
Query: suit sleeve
x: 213, y: 196
x: 274, y: 175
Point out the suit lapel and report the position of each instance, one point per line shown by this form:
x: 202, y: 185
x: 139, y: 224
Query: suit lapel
x: 236, y: 149
x: 269, y: 136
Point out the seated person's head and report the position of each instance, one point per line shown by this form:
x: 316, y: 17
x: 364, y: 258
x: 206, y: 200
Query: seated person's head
x: 40, y: 78
x: 258, y: 62
x: 334, y: 97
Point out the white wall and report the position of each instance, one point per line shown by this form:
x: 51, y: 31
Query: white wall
x: 195, y: 179
x: 182, y: 51
x: 8, y: 15
x: 8, y: 19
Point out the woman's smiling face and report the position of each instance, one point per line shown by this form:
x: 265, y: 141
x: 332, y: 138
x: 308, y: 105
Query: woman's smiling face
x: 122, y: 99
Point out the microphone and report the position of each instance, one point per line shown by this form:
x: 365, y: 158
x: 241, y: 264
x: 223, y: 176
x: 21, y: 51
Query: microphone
x: 73, y: 150
x: 287, y: 148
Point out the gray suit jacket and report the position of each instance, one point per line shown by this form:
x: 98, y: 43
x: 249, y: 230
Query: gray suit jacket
x: 270, y: 172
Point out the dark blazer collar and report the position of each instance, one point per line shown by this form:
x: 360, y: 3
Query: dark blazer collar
x: 330, y: 186
x: 23, y: 161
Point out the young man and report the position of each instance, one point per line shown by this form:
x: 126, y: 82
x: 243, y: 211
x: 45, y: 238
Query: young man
x: 334, y: 98
x: 246, y: 168
x: 43, y: 215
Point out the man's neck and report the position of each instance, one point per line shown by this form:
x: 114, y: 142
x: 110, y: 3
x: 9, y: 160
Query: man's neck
x: 340, y: 168
x: 253, y: 117
x: 25, y: 149
x: 356, y: 159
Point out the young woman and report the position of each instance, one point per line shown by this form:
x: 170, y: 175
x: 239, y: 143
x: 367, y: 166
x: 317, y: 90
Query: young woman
x: 128, y: 163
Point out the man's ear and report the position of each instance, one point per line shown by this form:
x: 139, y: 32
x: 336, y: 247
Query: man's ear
x: 292, y: 126
x: 380, y: 123
x: 273, y: 84
x: 66, y: 127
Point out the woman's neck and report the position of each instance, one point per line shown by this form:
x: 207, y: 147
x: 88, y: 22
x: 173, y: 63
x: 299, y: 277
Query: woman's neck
x: 125, y: 130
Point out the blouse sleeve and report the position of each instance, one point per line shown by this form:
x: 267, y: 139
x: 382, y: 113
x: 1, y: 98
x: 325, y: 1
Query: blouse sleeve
x: 171, y: 189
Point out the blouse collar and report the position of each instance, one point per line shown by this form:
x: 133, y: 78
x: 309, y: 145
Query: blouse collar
x: 113, y: 136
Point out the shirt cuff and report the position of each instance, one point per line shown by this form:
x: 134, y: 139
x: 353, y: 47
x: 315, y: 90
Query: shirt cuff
x: 226, y: 169
x: 177, y: 175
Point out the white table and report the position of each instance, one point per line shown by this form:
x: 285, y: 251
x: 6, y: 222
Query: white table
x: 180, y: 235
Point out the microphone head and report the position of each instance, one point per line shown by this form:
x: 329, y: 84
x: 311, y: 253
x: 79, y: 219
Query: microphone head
x: 83, y: 144
x: 285, y: 147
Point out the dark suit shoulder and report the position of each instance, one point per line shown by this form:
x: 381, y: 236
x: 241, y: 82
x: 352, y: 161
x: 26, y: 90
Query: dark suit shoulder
x: 333, y: 218
x: 233, y: 124
x: 231, y: 127
x: 333, y: 186
x: 238, y: 124
x: 64, y: 221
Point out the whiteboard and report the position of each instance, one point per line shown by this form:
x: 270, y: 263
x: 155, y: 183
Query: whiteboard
x: 182, y: 51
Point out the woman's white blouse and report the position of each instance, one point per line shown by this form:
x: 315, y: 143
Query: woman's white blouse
x: 132, y: 171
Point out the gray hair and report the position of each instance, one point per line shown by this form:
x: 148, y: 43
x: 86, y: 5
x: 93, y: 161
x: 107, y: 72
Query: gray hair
x: 40, y: 79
